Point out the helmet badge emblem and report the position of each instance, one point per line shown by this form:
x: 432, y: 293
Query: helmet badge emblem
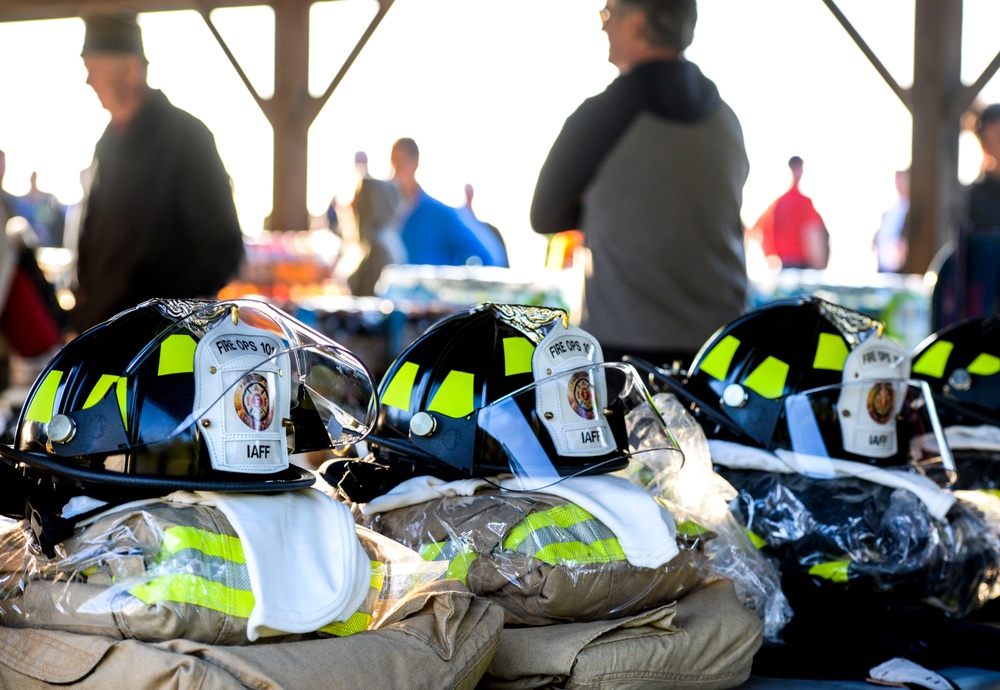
x: 881, y: 402
x: 581, y: 395
x: 253, y: 403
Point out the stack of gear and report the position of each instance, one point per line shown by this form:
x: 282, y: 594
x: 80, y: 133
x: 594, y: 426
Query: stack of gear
x: 160, y: 512
x: 498, y: 433
x: 961, y: 364
x: 699, y: 498
x: 840, y: 461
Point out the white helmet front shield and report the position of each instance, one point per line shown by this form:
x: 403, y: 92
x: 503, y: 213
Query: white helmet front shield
x: 245, y: 391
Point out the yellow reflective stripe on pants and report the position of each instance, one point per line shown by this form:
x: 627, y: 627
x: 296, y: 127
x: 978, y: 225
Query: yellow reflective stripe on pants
x: 543, y: 535
x: 176, y: 539
x: 459, y: 557
x: 361, y: 620
x: 192, y: 589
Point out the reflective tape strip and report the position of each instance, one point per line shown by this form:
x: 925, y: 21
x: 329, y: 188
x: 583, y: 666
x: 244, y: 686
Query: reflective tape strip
x: 44, y: 401
x: 177, y: 355
x: 571, y: 552
x: 361, y: 619
x: 934, y: 359
x: 768, y: 379
x: 716, y: 361
x: 179, y: 584
x: 458, y: 554
x: 455, y: 397
x: 757, y: 540
x: 985, y: 365
x: 831, y: 352
x: 517, y: 354
x: 834, y: 571
x: 192, y: 589
x: 358, y: 622
x: 182, y: 537
x: 121, y: 390
x: 101, y: 389
x: 543, y: 536
x: 397, y: 393
x: 690, y: 528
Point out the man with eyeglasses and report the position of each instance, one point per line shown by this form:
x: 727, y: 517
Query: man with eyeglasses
x: 652, y: 172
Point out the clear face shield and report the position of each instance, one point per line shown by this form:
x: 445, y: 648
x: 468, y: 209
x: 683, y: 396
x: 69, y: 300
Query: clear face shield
x: 264, y: 386
x: 592, y: 419
x: 877, y: 416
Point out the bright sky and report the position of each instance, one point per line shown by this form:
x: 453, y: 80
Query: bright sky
x: 484, y: 86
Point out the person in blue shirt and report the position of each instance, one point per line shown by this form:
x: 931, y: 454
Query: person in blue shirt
x: 433, y: 232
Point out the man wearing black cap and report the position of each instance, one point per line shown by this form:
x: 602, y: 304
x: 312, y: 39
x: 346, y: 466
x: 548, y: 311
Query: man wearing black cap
x: 159, y: 218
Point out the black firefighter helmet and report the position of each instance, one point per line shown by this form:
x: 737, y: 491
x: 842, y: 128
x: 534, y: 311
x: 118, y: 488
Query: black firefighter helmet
x: 815, y: 378
x: 187, y: 394
x: 503, y: 389
x: 961, y: 365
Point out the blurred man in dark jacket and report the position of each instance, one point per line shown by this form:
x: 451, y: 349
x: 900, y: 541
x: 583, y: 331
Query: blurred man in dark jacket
x: 159, y: 217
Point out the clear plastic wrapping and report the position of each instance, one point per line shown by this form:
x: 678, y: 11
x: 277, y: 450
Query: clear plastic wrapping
x: 542, y: 558
x: 164, y: 571
x: 851, y: 531
x: 698, y: 496
x: 870, y: 574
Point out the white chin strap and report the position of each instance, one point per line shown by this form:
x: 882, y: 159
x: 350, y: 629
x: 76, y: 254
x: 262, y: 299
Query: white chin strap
x: 572, y: 406
x: 246, y: 394
x: 873, y: 394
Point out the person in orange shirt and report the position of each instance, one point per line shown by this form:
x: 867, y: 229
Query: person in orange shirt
x: 791, y: 229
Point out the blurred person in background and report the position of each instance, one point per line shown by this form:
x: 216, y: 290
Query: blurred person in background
x: 983, y: 198
x: 890, y: 242
x: 376, y: 207
x: 469, y: 216
x: 652, y: 172
x: 158, y: 217
x: 791, y: 229
x: 45, y: 213
x: 433, y: 232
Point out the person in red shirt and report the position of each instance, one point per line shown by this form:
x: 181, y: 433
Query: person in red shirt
x: 791, y: 229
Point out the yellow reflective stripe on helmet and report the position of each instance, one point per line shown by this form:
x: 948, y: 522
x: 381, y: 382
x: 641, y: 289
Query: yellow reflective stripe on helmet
x: 984, y: 365
x: 517, y: 354
x: 121, y: 390
x: 831, y: 352
x: 456, y: 396
x: 768, y: 379
x: 44, y: 401
x: 177, y: 355
x: 180, y: 537
x: 934, y: 359
x: 716, y: 361
x: 397, y: 393
x: 101, y: 389
x: 185, y: 588
x: 834, y: 571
